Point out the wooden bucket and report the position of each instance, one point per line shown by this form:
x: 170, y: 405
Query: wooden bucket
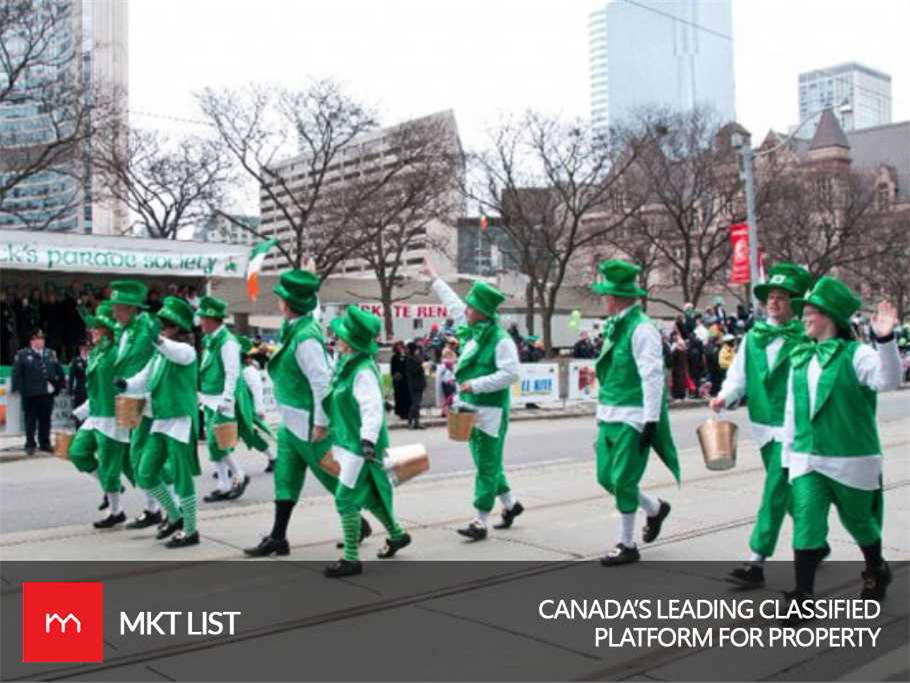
x: 225, y: 435
x: 717, y: 439
x: 461, y: 422
x: 406, y: 462
x: 62, y: 441
x: 330, y: 465
x: 128, y: 410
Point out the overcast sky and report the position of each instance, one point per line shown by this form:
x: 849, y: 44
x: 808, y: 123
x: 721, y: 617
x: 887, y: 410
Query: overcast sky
x: 480, y: 57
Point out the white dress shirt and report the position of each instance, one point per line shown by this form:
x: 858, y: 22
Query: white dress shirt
x: 880, y: 371
x: 106, y: 425
x: 508, y: 365
x: 315, y: 365
x: 230, y: 359
x: 177, y: 428
x: 369, y: 401
x: 647, y: 350
x: 253, y: 380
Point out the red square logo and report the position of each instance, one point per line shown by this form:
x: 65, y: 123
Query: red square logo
x: 62, y: 622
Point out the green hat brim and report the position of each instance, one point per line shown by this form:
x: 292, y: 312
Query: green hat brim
x: 298, y: 305
x: 819, y: 303
x: 629, y: 291
x: 127, y: 301
x: 165, y: 314
x: 342, y: 331
x: 764, y: 289
x: 211, y: 313
x: 100, y: 321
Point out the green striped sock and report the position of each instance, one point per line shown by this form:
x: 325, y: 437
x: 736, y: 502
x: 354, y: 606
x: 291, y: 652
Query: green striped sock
x: 164, y: 499
x: 389, y: 522
x: 188, y: 505
x: 350, y: 525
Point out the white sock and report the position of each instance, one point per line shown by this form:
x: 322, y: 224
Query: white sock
x: 114, y: 500
x: 483, y: 518
x: 756, y: 558
x: 649, y: 503
x: 235, y: 467
x: 508, y: 500
x: 224, y: 481
x: 628, y: 529
x: 94, y: 474
x: 151, y: 503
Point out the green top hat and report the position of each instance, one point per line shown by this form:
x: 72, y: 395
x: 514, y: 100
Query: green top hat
x: 128, y: 293
x: 177, y: 311
x: 246, y: 344
x: 789, y: 277
x: 359, y: 329
x: 298, y: 288
x: 103, y: 317
x: 484, y: 298
x: 618, y: 279
x: 834, y: 299
x: 210, y: 307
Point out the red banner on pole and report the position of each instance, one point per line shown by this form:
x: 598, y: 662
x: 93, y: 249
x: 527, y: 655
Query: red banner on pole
x: 739, y: 239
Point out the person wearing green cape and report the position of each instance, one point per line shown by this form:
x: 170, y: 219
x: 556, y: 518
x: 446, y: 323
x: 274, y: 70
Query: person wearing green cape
x: 169, y: 383
x: 486, y: 369
x: 256, y: 391
x: 831, y: 448
x: 632, y: 415
x: 136, y: 332
x: 101, y: 447
x: 360, y: 437
x: 759, y: 372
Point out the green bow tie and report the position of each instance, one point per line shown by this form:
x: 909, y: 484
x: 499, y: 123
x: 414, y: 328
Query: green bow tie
x: 825, y: 351
x: 764, y: 333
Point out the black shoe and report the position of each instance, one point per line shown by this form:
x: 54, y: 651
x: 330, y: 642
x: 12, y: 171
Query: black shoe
x: 182, y: 540
x: 268, y: 546
x: 217, y: 496
x: 392, y: 547
x: 145, y: 520
x: 796, y: 617
x: 110, y: 521
x: 270, y: 467
x: 748, y: 575
x: 652, y: 528
x: 365, y: 532
x: 46, y: 449
x: 419, y: 427
x: 826, y: 552
x: 29, y: 450
x: 239, y: 488
x: 875, y: 582
x: 167, y: 528
x: 343, y: 568
x: 105, y: 503
x: 475, y: 531
x: 508, y: 516
x: 621, y: 554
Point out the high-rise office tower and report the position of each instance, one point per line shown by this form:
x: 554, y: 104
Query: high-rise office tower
x: 860, y: 97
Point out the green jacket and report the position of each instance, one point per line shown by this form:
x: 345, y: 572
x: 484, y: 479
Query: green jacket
x: 99, y: 376
x: 290, y: 384
x: 211, y: 369
x: 480, y: 361
x: 139, y: 346
x: 766, y: 388
x: 344, y: 410
x: 172, y: 389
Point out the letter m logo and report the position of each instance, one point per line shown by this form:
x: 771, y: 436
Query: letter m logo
x: 49, y: 619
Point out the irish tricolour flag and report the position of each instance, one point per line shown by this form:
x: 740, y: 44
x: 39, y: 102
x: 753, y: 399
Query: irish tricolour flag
x: 257, y: 258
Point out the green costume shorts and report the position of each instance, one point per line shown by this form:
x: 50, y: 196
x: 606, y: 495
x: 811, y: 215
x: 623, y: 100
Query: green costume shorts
x: 162, y: 452
x: 93, y: 450
x: 138, y: 440
x: 860, y: 511
x: 775, y: 502
x: 212, y: 418
x: 486, y: 451
x: 372, y: 491
x: 620, y: 463
x: 294, y: 457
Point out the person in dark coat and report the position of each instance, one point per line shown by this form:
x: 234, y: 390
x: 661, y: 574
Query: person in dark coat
x: 712, y: 363
x: 679, y: 359
x: 417, y: 383
x: 696, y: 362
x: 398, y: 369
x: 75, y: 383
x: 38, y: 377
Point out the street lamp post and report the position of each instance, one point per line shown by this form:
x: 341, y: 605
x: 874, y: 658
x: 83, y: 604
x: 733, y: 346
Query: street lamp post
x: 743, y: 144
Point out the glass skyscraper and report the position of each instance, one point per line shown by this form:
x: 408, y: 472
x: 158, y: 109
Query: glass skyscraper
x: 647, y: 53
x: 860, y: 97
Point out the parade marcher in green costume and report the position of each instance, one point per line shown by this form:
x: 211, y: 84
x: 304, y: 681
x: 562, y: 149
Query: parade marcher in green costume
x: 253, y: 381
x: 219, y: 381
x: 632, y: 412
x: 169, y: 383
x: 359, y: 439
x: 831, y: 444
x: 301, y: 374
x: 136, y: 332
x: 486, y: 369
x: 101, y: 447
x: 759, y: 372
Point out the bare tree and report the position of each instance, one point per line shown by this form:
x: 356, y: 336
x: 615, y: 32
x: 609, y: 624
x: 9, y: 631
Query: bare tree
x: 886, y: 273
x: 554, y: 186
x: 56, y: 113
x: 166, y: 184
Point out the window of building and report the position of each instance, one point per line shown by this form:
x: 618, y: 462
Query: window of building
x: 883, y: 197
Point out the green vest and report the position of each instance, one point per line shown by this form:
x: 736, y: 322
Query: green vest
x: 480, y: 361
x: 172, y: 388
x: 766, y: 388
x: 843, y: 420
x: 142, y: 331
x: 290, y: 384
x: 344, y: 409
x: 211, y: 370
x: 617, y: 374
x: 99, y: 376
